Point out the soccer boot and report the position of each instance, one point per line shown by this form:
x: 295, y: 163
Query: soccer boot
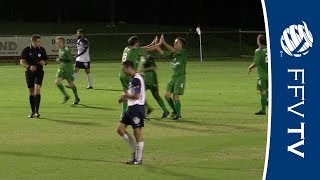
x: 89, y: 87
x: 66, y: 98
x: 173, y: 114
x: 76, y: 101
x: 260, y: 113
x: 165, y: 114
x: 130, y: 161
x: 177, y: 117
x: 36, y: 115
x: 31, y: 115
x: 67, y: 86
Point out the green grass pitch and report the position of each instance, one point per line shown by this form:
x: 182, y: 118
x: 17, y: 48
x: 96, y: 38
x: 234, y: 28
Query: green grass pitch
x: 218, y: 137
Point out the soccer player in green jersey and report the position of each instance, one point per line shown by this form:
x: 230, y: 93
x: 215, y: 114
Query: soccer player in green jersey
x: 261, y: 62
x: 65, y: 70
x: 133, y: 52
x: 176, y: 84
x: 151, y: 82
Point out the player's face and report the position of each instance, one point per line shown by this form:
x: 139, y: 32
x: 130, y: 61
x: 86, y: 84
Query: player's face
x: 177, y: 44
x: 127, y: 70
x: 59, y: 43
x: 258, y: 41
x: 79, y: 34
x: 36, y: 43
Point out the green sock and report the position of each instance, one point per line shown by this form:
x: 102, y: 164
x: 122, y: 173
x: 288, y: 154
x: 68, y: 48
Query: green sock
x: 162, y: 105
x: 171, y: 104
x: 124, y: 107
x: 178, y: 106
x: 264, y: 99
x: 61, y: 88
x: 75, y: 92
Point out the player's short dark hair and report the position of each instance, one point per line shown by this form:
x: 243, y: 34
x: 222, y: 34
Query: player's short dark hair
x: 127, y: 64
x: 262, y: 39
x: 80, y: 31
x: 183, y: 41
x: 35, y: 37
x: 60, y: 38
x: 133, y: 40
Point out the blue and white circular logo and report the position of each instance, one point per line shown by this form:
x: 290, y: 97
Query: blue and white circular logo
x: 296, y: 40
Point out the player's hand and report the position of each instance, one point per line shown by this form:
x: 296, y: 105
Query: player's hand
x: 43, y: 62
x: 33, y: 68
x: 122, y: 98
x: 156, y: 40
x: 162, y: 39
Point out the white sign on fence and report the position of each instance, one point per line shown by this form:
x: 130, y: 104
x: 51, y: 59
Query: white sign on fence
x: 13, y: 45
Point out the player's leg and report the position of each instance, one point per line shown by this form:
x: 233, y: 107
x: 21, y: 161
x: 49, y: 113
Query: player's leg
x: 89, y: 77
x: 75, y: 72
x: 149, y: 108
x: 140, y: 145
x: 168, y: 97
x: 262, y: 85
x: 58, y: 82
x: 37, y: 91
x: 70, y: 80
x: 30, y: 83
x: 178, y: 90
x: 156, y: 96
x: 121, y: 130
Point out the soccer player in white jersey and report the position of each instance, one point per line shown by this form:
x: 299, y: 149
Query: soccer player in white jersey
x: 135, y: 114
x: 83, y: 57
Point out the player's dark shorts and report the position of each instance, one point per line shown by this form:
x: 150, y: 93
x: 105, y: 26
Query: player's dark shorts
x: 33, y: 78
x: 151, y: 81
x: 262, y: 85
x: 134, y: 116
x: 82, y: 65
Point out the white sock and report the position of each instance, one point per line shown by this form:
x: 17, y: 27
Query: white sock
x: 89, y: 79
x: 75, y: 76
x: 130, y: 141
x: 139, y: 151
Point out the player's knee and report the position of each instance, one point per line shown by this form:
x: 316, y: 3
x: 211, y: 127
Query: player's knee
x: 176, y: 97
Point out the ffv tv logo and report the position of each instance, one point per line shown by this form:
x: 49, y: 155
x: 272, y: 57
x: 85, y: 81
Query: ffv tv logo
x: 296, y: 40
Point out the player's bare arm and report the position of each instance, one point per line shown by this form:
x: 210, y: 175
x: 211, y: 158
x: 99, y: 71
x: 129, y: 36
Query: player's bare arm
x: 253, y: 65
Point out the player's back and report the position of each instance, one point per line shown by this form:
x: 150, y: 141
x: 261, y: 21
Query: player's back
x: 132, y: 54
x: 261, y: 60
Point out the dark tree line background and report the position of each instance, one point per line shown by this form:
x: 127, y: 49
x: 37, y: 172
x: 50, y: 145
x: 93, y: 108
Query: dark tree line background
x: 223, y: 13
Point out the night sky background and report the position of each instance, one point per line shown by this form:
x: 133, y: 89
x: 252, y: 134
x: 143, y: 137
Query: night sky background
x: 224, y: 13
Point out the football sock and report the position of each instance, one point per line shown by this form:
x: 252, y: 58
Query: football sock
x: 178, y: 106
x: 61, y: 88
x: 130, y: 141
x: 37, y: 100
x: 75, y: 92
x: 139, y: 151
x: 89, y: 79
x: 162, y: 105
x: 264, y: 99
x: 31, y: 101
x: 171, y: 103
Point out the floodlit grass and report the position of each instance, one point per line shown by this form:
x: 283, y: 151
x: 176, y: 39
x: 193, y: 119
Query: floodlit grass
x: 218, y: 137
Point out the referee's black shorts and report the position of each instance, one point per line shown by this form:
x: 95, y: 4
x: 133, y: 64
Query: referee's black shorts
x: 33, y: 78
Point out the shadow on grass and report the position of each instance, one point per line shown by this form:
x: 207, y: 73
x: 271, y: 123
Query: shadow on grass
x: 92, y: 107
x: 72, y: 122
x: 27, y: 154
x: 165, y: 172
x: 203, y: 125
x: 102, y: 89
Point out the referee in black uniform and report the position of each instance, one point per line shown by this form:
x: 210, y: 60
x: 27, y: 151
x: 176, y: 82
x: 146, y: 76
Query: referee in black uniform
x: 33, y: 58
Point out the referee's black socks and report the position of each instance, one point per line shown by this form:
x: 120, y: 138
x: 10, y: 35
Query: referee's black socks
x: 37, y: 100
x: 32, y: 102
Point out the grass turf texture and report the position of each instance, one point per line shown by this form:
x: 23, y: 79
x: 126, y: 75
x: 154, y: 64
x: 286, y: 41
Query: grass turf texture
x: 218, y: 137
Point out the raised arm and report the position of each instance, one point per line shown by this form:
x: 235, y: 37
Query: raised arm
x: 168, y: 46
